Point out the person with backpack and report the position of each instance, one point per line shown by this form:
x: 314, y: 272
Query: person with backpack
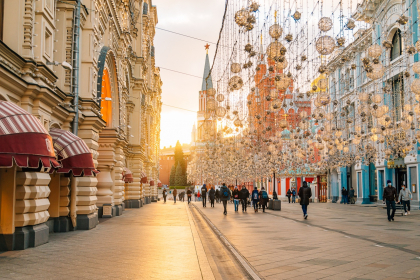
x: 189, y: 194
x: 164, y: 195
x: 263, y: 195
x: 174, y: 194
x: 243, y: 195
x: 204, y: 194
x: 235, y: 195
x: 293, y: 196
x: 224, y: 196
x: 212, y: 195
x: 255, y: 198
x: 289, y: 194
x: 305, y: 193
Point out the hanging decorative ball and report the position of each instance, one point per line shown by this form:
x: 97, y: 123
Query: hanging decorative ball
x: 282, y: 65
x: 211, y: 92
x: 375, y: 51
x: 275, y: 105
x: 314, y: 88
x: 323, y: 84
x: 220, y: 112
x: 283, y: 124
x: 325, y: 45
x: 274, y: 94
x: 273, y: 50
x: 298, y: 67
x: 407, y: 74
x: 350, y: 24
x: 322, y: 69
x: 275, y: 31
x: 248, y: 48
x: 235, y: 68
x: 418, y: 46
x: 411, y: 50
x: 325, y: 24
x: 235, y: 83
x: 289, y: 37
x: 220, y: 97
x: 377, y: 98
x: 254, y: 7
x: 403, y: 19
x: 303, y: 58
x: 211, y: 104
x: 283, y: 83
x: 341, y: 41
x: 415, y: 86
x: 353, y: 66
x: 323, y: 98
x: 241, y: 17
x: 296, y: 16
x: 237, y: 122
x: 387, y: 44
x: 416, y: 67
x: 377, y: 72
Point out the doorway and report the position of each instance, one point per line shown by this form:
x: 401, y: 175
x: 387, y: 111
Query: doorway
x: 400, y: 178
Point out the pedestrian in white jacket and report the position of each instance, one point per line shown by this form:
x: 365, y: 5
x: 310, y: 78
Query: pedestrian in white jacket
x: 405, y: 197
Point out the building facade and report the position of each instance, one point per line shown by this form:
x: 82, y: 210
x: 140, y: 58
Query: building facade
x: 103, y: 72
x: 350, y: 86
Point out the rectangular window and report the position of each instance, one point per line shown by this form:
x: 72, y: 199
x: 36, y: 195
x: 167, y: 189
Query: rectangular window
x: 48, y: 44
x: 413, y: 179
x: 145, y: 8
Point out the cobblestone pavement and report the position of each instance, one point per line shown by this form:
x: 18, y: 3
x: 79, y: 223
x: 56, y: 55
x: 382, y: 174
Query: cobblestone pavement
x: 153, y: 242
x: 336, y: 242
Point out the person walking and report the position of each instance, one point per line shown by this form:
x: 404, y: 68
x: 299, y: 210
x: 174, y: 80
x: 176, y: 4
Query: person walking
x: 212, y: 196
x: 351, y: 195
x: 342, y: 195
x: 175, y: 192
x: 405, y: 197
x: 305, y: 193
x: 235, y: 195
x: 217, y: 195
x: 289, y: 194
x: 263, y: 198
x: 224, y: 197
x: 255, y: 198
x: 204, y: 194
x: 293, y: 196
x: 189, y: 194
x: 199, y: 196
x: 164, y: 195
x: 390, y: 195
x: 243, y: 195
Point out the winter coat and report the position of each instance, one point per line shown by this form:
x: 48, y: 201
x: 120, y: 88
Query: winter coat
x: 351, y: 193
x: 255, y: 194
x: 164, y: 193
x: 294, y: 193
x: 305, y: 193
x: 212, y: 194
x: 236, y: 194
x: 175, y: 192
x: 204, y: 190
x: 217, y: 193
x: 289, y: 193
x: 263, y: 201
x: 189, y: 192
x: 390, y: 193
x: 244, y: 194
x: 224, y: 189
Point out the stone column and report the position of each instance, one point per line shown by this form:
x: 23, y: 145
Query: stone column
x: 133, y: 190
x: 31, y: 209
x: 86, y: 209
x: 118, y: 182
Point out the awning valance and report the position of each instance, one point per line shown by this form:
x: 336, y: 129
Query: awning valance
x: 24, y: 139
x: 159, y: 183
x: 152, y: 183
x: 143, y: 178
x: 73, y: 153
x: 128, y: 176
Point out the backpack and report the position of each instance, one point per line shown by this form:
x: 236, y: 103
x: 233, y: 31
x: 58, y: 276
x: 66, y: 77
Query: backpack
x: 264, y: 195
x: 225, y: 192
x: 255, y: 195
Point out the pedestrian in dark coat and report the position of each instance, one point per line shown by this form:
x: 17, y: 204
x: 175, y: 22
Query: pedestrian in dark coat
x: 255, y: 196
x: 224, y: 197
x: 390, y: 196
x: 305, y: 193
x: 204, y: 194
x: 217, y: 195
x: 174, y: 194
x: 212, y: 196
x: 351, y: 195
x: 289, y: 194
x: 263, y: 196
x: 189, y: 194
x: 164, y: 195
x: 235, y: 195
x: 243, y: 195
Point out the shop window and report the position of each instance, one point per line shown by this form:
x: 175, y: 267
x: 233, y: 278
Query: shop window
x: 396, y: 49
x: 106, y: 106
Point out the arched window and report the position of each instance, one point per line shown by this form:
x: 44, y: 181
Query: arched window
x: 106, y: 105
x: 396, y: 49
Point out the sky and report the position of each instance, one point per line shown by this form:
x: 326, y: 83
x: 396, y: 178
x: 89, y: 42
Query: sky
x: 196, y: 18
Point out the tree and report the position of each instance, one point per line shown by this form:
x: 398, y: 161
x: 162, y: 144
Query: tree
x: 178, y: 176
x: 179, y: 157
x: 172, y: 176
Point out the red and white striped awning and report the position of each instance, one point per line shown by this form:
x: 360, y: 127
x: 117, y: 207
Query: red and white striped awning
x: 152, y: 183
x: 159, y: 183
x: 24, y: 139
x: 73, y: 153
x: 128, y: 175
x: 143, y: 178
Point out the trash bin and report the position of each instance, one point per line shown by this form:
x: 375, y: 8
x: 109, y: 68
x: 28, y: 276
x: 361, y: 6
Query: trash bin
x: 276, y: 205
x: 270, y: 204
